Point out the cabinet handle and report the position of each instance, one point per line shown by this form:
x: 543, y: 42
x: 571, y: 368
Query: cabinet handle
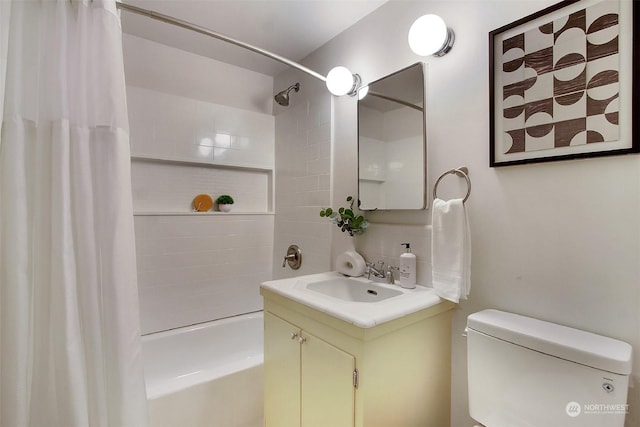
x: 302, y: 340
x: 294, y: 335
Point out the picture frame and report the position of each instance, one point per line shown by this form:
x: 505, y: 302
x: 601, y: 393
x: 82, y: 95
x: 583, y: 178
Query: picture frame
x: 562, y: 83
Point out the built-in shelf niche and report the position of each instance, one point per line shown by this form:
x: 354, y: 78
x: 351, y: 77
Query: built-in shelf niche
x: 165, y: 186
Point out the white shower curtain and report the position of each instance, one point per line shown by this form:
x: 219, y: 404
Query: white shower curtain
x: 69, y: 317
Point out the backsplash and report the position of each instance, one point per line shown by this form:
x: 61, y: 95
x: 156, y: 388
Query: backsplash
x: 383, y: 242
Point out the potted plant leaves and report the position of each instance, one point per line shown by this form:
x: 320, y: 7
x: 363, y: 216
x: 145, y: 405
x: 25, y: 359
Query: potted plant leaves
x: 345, y: 219
x: 224, y: 202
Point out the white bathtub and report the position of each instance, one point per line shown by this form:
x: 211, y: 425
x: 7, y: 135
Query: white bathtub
x: 206, y: 375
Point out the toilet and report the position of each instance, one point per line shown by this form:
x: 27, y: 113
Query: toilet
x: 527, y: 372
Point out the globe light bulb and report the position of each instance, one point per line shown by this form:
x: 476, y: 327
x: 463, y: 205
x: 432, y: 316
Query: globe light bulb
x: 340, y: 81
x: 429, y: 35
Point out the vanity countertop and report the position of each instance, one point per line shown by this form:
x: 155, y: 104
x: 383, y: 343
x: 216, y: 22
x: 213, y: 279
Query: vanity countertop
x: 360, y: 314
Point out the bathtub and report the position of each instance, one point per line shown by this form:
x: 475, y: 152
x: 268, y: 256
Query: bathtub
x: 206, y: 375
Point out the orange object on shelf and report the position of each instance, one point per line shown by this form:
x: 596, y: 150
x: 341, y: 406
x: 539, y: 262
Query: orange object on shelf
x: 202, y: 203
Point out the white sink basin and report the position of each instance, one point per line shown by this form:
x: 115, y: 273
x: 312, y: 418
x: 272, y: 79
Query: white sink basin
x: 352, y: 290
x: 353, y: 299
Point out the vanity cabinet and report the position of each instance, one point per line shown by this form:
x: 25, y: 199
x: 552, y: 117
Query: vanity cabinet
x: 321, y: 371
x: 306, y: 376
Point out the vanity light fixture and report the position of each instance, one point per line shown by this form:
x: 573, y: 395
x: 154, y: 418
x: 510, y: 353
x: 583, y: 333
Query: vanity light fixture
x: 341, y: 81
x: 429, y: 35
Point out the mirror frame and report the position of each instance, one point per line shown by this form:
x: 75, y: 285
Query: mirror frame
x: 425, y: 195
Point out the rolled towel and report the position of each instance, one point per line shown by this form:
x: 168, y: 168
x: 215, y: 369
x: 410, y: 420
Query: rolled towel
x: 450, y: 250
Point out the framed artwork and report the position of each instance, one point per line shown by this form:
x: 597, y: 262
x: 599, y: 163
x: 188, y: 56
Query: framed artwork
x: 563, y: 82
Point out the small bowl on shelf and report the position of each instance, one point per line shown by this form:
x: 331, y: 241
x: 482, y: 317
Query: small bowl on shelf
x: 202, y: 203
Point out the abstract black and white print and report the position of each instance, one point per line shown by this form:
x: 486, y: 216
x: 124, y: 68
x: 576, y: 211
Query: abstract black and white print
x: 560, y: 82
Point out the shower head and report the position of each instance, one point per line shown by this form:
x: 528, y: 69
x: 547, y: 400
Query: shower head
x: 282, y: 97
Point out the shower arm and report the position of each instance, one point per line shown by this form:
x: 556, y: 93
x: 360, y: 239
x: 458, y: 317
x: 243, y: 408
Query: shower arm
x: 198, y: 29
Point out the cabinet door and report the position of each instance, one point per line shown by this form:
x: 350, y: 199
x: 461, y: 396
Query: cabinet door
x: 327, y: 385
x: 281, y: 373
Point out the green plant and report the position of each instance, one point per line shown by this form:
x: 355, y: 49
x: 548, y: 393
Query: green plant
x: 346, y: 219
x: 225, y: 199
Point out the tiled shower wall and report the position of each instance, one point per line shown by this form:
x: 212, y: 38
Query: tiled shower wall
x: 303, y: 166
x: 195, y: 267
x: 182, y: 128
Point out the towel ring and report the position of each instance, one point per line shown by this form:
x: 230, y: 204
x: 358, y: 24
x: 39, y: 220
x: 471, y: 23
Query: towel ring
x: 462, y: 172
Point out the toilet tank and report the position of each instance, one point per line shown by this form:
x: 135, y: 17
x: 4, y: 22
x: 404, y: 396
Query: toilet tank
x: 527, y: 372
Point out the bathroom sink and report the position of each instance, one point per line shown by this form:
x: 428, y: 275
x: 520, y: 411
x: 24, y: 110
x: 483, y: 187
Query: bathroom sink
x: 355, y: 300
x: 352, y: 290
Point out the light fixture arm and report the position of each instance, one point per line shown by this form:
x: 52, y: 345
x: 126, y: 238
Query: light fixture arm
x: 357, y: 84
x: 202, y: 30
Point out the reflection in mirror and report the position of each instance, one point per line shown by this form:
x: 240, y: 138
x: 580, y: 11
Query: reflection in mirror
x: 392, y: 142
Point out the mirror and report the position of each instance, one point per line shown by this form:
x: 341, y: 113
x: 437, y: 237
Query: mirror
x: 392, y: 141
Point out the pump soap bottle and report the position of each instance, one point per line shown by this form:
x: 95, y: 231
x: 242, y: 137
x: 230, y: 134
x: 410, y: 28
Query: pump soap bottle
x: 407, y: 268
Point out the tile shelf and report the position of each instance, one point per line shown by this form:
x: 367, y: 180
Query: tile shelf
x: 170, y: 213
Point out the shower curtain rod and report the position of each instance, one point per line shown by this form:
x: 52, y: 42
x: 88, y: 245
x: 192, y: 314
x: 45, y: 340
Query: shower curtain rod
x: 198, y: 29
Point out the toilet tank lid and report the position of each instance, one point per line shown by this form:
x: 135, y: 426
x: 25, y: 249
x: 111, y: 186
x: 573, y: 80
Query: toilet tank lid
x: 571, y: 344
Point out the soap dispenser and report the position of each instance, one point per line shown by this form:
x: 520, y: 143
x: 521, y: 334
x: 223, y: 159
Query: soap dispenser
x: 407, y: 268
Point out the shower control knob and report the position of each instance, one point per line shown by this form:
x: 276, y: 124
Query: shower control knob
x: 293, y: 257
x: 290, y: 257
x: 294, y: 335
x: 302, y: 340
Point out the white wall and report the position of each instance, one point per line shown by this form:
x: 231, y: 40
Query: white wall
x: 155, y: 66
x: 216, y: 120
x: 557, y: 241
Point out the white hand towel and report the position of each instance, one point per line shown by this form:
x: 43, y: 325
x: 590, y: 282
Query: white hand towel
x: 450, y: 250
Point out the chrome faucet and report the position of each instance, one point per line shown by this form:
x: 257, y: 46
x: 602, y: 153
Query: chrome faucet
x: 379, y: 275
x: 377, y: 272
x: 389, y: 276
